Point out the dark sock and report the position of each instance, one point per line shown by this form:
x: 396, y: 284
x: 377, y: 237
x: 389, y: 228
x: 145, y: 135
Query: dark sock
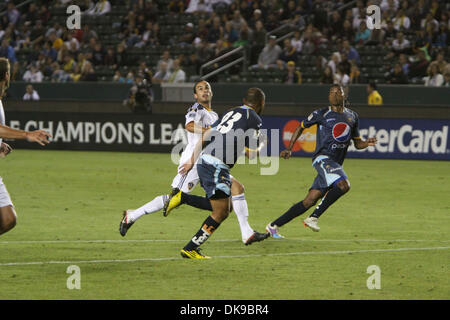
x: 296, y: 210
x: 208, y: 227
x: 196, y: 201
x: 330, y: 198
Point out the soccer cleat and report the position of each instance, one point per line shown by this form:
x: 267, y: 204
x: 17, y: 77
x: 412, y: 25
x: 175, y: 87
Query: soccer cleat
x: 273, y: 231
x: 311, y: 222
x: 173, y: 202
x: 256, y: 237
x: 193, y: 254
x: 125, y: 224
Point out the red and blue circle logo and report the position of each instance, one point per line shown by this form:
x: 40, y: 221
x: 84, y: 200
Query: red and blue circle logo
x: 341, y: 132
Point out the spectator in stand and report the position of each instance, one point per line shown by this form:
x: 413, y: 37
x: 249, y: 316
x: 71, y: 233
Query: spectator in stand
x: 199, y: 6
x: 447, y: 80
x: 434, y: 78
x: 418, y: 69
x: 30, y: 94
x: 177, y: 75
x: 293, y: 76
x: 269, y: 55
x: 215, y: 30
x: 350, y: 52
x: 354, y: 73
x: 121, y: 55
x: 110, y: 57
x: 441, y: 37
x: 400, y: 44
x: 403, y: 60
x: 88, y: 73
x: 363, y: 34
x: 75, y: 75
x: 442, y: 64
x: 347, y: 31
x: 188, y: 36
x: 257, y: 16
x: 101, y: 7
x: 397, y: 76
x: 33, y: 74
x: 341, y: 78
x: 287, y: 54
x: 98, y: 54
x: 401, y: 21
x: 334, y: 62
x: 8, y: 51
x: 297, y: 42
x: 327, y: 76
x: 374, y: 98
x: 12, y: 13
x: 162, y: 74
x: 167, y: 59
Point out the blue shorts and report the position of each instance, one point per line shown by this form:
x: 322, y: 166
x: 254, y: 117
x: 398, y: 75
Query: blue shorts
x: 329, y: 172
x: 214, y: 177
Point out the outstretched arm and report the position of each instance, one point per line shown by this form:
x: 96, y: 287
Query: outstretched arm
x: 39, y: 136
x: 362, y: 144
x: 286, y: 154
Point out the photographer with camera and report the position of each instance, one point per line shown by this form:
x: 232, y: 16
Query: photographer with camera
x: 141, y: 95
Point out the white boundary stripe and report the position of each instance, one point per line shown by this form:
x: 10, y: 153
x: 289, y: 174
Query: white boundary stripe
x: 210, y: 240
x: 222, y: 257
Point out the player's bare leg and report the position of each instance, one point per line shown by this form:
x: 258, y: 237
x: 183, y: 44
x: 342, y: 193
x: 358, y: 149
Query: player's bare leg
x: 297, y: 209
x: 8, y: 219
x: 220, y: 211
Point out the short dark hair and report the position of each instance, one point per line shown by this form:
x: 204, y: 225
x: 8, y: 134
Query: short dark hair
x: 373, y: 85
x: 254, y: 96
x: 197, y: 82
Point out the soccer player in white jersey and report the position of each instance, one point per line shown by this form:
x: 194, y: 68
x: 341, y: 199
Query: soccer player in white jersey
x: 199, y: 118
x: 8, y: 216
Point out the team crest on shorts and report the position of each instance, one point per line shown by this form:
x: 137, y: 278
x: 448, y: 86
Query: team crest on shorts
x: 190, y: 185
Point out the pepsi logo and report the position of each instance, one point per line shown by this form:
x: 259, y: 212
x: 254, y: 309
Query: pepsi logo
x: 341, y: 132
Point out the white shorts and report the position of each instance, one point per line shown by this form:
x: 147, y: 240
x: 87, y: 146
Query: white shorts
x: 5, y: 199
x: 189, y: 183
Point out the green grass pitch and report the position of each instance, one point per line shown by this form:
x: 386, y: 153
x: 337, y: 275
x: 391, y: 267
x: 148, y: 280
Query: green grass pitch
x: 69, y: 204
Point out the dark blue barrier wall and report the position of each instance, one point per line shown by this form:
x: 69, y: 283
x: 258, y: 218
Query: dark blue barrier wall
x: 397, y: 138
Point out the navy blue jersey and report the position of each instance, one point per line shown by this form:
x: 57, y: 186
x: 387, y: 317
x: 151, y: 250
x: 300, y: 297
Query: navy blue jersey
x: 235, y: 130
x: 334, y: 132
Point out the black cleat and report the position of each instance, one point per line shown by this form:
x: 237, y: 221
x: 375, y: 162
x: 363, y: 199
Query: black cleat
x: 125, y: 224
x: 256, y: 237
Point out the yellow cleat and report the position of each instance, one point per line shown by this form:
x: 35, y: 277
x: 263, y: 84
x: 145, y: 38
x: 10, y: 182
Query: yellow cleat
x: 193, y: 254
x: 173, y: 202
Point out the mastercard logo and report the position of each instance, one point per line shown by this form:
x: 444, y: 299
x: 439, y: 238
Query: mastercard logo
x: 341, y: 132
x: 306, y: 142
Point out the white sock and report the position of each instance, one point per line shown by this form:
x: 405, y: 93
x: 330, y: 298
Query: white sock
x: 150, y: 207
x: 241, y: 209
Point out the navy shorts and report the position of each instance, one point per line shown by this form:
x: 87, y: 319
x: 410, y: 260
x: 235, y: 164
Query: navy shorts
x: 214, y: 177
x: 329, y: 172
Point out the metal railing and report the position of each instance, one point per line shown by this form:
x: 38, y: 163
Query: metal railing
x: 238, y: 50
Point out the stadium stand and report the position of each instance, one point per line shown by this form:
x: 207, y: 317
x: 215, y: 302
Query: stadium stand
x: 120, y: 39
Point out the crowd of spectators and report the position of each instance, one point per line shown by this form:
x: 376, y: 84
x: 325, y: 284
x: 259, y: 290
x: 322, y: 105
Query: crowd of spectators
x: 413, y: 33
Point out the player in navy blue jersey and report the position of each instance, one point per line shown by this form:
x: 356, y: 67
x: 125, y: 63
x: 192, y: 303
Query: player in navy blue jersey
x: 237, y: 131
x: 337, y: 127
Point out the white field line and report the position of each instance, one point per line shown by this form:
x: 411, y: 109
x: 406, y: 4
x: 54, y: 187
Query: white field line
x: 222, y: 257
x: 211, y: 240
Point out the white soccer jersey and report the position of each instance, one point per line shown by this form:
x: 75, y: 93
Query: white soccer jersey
x: 2, y: 117
x: 202, y: 117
